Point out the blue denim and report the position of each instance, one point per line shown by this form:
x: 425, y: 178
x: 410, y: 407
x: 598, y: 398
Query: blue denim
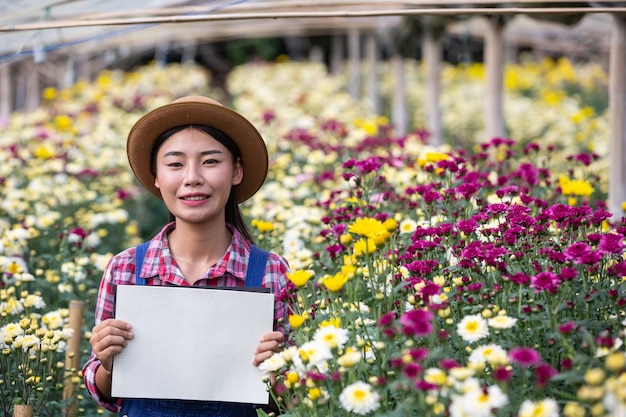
x: 184, y: 408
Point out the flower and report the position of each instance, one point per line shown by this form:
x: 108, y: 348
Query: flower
x: 544, y: 408
x: 473, y: 328
x: 359, y: 398
x: 331, y: 336
x: 525, y: 356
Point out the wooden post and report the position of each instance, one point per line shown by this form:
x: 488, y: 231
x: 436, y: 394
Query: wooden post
x: 432, y: 60
x: 337, y: 54
x: 617, y: 106
x: 399, y: 101
x: 32, y: 99
x: 354, y: 55
x: 5, y: 91
x: 72, y: 357
x: 494, y: 72
x: 371, y: 57
x: 23, y: 410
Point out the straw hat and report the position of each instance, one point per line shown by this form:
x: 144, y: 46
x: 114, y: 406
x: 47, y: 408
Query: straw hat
x: 201, y: 111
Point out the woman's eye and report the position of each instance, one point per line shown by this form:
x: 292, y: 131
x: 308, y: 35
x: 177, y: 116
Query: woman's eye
x: 210, y: 161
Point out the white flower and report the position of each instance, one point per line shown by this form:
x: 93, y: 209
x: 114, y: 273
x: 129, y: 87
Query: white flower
x: 359, y: 398
x: 314, y: 354
x: 473, y: 328
x: 350, y: 358
x: 502, y: 322
x: 273, y: 363
x: 491, y: 353
x: 478, y: 402
x: 33, y: 300
x: 408, y: 226
x: 545, y: 408
x: 331, y: 336
x: 52, y: 320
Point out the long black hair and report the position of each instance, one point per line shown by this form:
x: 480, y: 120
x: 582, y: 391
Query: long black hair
x: 233, y: 214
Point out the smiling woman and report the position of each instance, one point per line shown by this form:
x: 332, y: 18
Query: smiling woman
x: 202, y: 159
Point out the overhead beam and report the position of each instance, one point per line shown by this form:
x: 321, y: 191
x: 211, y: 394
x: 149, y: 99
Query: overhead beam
x: 452, y: 11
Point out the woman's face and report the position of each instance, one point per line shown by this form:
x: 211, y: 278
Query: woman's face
x: 195, y: 174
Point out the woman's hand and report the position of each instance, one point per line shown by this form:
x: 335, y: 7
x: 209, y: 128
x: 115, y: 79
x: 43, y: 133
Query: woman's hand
x: 108, y: 338
x: 269, y: 344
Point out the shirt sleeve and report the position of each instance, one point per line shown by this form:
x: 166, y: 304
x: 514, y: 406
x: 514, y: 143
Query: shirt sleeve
x: 104, y: 310
x: 276, y: 279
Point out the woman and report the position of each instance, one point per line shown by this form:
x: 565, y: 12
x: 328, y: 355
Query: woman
x: 202, y: 159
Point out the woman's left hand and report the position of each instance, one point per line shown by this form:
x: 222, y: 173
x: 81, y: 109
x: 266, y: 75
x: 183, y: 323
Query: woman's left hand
x: 269, y: 344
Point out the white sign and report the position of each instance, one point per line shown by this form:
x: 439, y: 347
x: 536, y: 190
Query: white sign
x: 191, y: 343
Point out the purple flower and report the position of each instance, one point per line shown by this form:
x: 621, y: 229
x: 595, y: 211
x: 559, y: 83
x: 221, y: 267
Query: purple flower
x: 525, y: 356
x: 611, y: 243
x: 576, y: 252
x: 417, y: 322
x: 467, y: 226
x: 545, y: 281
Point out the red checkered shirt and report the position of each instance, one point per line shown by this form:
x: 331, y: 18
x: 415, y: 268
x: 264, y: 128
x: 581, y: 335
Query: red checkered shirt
x: 159, y: 268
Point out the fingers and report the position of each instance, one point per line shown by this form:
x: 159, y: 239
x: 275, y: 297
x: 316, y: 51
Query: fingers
x: 108, y: 339
x: 269, y: 344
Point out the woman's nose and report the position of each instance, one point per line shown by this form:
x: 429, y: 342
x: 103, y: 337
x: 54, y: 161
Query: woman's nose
x: 193, y: 175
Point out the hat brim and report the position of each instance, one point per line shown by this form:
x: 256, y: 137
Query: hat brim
x: 200, y: 111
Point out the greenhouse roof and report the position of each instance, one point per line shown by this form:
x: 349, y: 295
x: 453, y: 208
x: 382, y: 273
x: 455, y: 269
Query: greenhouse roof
x: 35, y: 27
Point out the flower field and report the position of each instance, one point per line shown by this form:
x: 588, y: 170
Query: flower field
x: 483, y: 278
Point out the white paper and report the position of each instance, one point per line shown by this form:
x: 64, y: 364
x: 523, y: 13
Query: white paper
x: 191, y: 343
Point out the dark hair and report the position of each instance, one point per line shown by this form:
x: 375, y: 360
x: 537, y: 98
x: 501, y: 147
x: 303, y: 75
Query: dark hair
x: 233, y: 214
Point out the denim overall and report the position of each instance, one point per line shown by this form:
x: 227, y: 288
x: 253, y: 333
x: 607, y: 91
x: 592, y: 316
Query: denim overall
x: 143, y: 407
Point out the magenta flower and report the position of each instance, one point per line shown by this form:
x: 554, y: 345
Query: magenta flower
x: 525, y: 356
x: 417, y: 322
x: 577, y: 251
x: 543, y: 373
x: 411, y: 370
x: 611, y: 243
x: 567, y: 328
x: 545, y: 281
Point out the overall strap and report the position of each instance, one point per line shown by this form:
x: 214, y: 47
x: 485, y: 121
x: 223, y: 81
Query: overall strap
x: 140, y: 253
x: 256, y: 266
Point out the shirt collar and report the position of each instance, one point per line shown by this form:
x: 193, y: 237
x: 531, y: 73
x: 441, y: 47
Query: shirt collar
x: 233, y: 262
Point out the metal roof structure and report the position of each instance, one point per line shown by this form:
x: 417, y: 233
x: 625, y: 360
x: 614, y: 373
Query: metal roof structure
x: 36, y: 27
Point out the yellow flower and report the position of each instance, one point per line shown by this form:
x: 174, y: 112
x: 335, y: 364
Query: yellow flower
x: 432, y: 157
x: 336, y: 282
x: 49, y: 93
x: 43, y: 152
x: 573, y: 409
x: 333, y: 321
x: 292, y: 377
x: 594, y: 376
x: 575, y: 187
x: 367, y: 227
x: 63, y: 122
x: 263, y: 226
x: 616, y: 361
x: 300, y: 277
x: 297, y: 320
x: 363, y: 246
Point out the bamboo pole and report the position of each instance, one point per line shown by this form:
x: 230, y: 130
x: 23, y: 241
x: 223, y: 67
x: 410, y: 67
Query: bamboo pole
x: 72, y: 357
x: 23, y: 410
x: 617, y: 108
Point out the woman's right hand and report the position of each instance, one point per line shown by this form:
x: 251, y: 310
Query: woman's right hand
x: 108, y: 338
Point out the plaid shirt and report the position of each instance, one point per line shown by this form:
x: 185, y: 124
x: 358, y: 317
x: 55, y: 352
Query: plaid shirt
x: 159, y: 268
